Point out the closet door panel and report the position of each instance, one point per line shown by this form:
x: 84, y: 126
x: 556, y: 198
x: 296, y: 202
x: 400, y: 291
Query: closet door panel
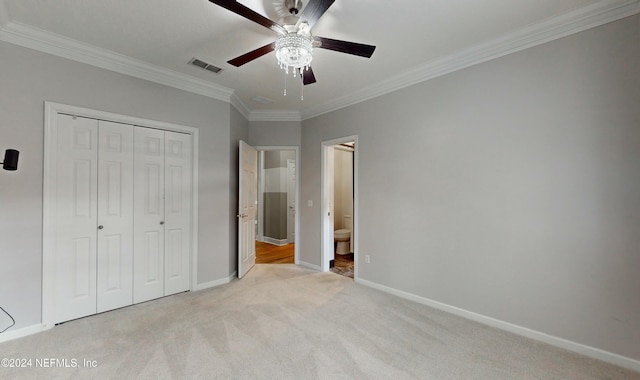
x: 148, y: 214
x: 115, y: 216
x: 177, y: 212
x: 76, y: 217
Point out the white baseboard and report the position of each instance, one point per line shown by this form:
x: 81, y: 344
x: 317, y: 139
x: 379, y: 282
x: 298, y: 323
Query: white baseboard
x: 591, y: 352
x: 34, y: 329
x: 215, y: 283
x: 310, y: 266
x: 278, y: 242
x: 19, y: 333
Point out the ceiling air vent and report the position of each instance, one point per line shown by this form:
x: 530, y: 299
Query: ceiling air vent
x: 262, y: 99
x: 205, y: 65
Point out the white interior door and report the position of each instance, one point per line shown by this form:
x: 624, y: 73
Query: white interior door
x: 177, y: 212
x: 149, y: 239
x: 75, y: 217
x: 291, y: 201
x: 115, y: 216
x: 247, y: 207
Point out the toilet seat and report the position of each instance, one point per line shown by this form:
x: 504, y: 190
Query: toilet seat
x: 342, y: 234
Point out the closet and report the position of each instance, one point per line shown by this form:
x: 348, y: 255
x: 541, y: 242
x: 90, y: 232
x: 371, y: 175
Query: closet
x: 121, y: 213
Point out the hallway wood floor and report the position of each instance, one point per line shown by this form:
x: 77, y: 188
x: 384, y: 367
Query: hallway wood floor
x: 272, y: 254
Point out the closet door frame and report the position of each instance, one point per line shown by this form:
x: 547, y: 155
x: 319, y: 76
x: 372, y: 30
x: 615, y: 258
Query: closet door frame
x: 51, y: 110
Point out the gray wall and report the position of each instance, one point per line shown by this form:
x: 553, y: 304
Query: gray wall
x: 278, y: 159
x: 510, y: 189
x: 275, y: 215
x: 274, y: 133
x: 27, y: 79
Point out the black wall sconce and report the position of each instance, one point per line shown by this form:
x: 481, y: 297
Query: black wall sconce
x: 10, y: 160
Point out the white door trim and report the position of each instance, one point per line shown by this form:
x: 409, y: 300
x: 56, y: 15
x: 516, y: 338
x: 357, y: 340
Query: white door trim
x: 326, y: 249
x: 51, y: 110
x: 295, y: 148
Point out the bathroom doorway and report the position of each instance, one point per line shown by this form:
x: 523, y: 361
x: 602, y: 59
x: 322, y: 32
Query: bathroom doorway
x: 339, y: 205
x: 277, y: 218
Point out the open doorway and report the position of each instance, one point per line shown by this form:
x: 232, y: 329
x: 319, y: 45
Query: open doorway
x: 339, y: 202
x: 277, y: 202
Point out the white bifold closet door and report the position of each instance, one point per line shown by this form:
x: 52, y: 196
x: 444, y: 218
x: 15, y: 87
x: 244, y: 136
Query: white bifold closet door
x: 94, y: 230
x: 177, y: 212
x: 162, y: 213
x: 122, y: 215
x: 115, y: 216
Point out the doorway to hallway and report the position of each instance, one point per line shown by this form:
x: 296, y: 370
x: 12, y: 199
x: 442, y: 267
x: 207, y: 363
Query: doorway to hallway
x: 277, y: 203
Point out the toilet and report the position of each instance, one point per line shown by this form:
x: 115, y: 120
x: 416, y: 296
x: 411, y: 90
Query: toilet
x: 343, y: 237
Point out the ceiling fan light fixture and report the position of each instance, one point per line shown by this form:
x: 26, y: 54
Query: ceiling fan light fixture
x: 294, y: 51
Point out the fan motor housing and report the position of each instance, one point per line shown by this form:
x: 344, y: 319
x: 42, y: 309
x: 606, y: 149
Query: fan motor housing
x: 293, y: 6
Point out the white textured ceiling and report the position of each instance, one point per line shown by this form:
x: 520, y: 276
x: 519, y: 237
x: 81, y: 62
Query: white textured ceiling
x: 408, y: 35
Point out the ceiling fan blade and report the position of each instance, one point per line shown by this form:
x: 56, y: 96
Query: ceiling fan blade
x: 354, y: 48
x: 250, y: 56
x: 247, y: 13
x: 307, y: 76
x: 314, y: 10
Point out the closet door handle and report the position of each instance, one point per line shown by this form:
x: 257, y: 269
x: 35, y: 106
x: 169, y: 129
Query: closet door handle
x: 162, y: 222
x: 100, y: 227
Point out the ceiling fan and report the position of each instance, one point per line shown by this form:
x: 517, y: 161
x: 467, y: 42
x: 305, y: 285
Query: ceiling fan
x: 294, y: 43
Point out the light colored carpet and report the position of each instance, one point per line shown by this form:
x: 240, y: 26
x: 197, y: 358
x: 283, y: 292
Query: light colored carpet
x: 282, y: 322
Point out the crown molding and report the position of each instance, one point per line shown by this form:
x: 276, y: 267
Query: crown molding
x: 275, y: 115
x: 597, y: 14
x: 264, y: 115
x: 240, y: 106
x: 33, y: 38
x: 555, y: 28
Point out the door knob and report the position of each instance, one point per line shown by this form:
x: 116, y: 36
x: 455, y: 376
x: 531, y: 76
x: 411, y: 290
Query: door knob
x: 162, y: 222
x: 100, y: 227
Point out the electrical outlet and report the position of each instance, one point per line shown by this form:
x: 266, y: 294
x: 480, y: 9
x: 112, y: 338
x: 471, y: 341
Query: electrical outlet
x: 367, y: 259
